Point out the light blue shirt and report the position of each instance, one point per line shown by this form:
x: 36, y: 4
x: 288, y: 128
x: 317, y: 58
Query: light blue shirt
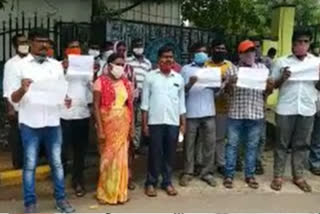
x: 199, y: 100
x: 295, y: 97
x: 163, y: 98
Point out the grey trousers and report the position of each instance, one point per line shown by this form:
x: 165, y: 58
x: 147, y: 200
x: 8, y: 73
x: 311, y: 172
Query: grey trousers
x: 294, y: 131
x: 221, y: 124
x: 207, y: 134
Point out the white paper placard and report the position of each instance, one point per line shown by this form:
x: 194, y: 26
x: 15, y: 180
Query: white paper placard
x: 252, y: 78
x: 208, y: 77
x: 48, y: 92
x: 305, y: 71
x: 80, y: 65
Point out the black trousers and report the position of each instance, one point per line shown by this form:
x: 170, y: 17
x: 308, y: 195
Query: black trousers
x: 15, y: 144
x: 162, y: 152
x: 76, y: 138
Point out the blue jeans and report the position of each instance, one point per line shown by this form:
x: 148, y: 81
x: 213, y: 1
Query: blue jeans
x: 250, y: 130
x: 31, y: 139
x: 162, y: 151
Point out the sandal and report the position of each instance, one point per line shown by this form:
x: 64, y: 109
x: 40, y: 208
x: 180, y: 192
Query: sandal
x: 276, y: 184
x: 228, y: 183
x: 252, y: 183
x: 303, y: 185
x: 170, y: 190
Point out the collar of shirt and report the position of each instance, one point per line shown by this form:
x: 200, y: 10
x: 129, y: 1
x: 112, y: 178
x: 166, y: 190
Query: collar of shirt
x: 31, y: 58
x: 172, y: 73
x: 212, y: 63
x: 308, y: 56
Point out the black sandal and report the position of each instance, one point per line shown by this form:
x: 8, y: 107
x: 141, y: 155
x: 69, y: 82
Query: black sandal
x: 303, y: 185
x: 228, y: 183
x: 276, y: 184
x: 252, y: 183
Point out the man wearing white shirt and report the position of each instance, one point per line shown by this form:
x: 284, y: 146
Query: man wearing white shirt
x: 295, y: 112
x: 201, y: 122
x: 75, y: 123
x: 39, y: 123
x: 20, y: 44
x: 163, y: 109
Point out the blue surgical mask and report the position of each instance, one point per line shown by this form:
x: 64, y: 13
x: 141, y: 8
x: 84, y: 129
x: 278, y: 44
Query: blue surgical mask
x: 200, y: 58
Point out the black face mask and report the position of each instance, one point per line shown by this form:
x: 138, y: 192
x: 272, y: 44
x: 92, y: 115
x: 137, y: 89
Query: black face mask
x: 218, y: 56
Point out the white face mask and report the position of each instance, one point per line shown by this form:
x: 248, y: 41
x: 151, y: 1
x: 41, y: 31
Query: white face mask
x: 93, y: 52
x: 117, y: 71
x: 138, y: 51
x: 107, y: 54
x: 23, y: 49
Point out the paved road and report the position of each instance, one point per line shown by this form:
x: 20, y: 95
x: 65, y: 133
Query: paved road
x: 197, y: 198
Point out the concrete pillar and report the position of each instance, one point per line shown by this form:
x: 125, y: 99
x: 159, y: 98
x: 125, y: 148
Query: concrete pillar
x: 282, y: 27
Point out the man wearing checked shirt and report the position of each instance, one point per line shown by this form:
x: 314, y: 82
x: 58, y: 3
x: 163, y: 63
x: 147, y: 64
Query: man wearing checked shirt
x: 163, y: 106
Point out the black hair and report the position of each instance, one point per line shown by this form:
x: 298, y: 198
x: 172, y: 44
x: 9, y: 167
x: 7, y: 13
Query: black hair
x: 196, y: 46
x: 38, y: 32
x: 121, y: 43
x: 136, y: 40
x: 108, y: 44
x: 15, y: 38
x: 301, y: 32
x: 73, y: 40
x: 272, y: 52
x: 217, y: 42
x: 113, y: 57
x: 255, y: 39
x: 164, y: 49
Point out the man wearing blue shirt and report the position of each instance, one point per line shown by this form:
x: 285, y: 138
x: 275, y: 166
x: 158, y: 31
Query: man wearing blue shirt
x: 163, y: 106
x: 200, y: 118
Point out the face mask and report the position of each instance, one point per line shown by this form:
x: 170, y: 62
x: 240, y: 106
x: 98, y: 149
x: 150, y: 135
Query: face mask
x: 300, y: 50
x: 50, y: 52
x: 107, y: 54
x: 23, y: 49
x: 200, y: 58
x: 138, y: 51
x: 93, y: 52
x: 165, y: 67
x: 248, y: 58
x: 73, y: 51
x: 218, y: 56
x: 117, y: 71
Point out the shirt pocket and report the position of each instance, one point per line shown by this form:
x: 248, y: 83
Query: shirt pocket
x: 174, y: 91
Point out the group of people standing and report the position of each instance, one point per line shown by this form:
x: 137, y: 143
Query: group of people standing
x: 134, y: 102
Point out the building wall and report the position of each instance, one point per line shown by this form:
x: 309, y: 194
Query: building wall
x: 80, y: 10
x: 68, y: 10
x: 168, y: 12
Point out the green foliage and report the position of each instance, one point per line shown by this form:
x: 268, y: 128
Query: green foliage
x: 245, y: 16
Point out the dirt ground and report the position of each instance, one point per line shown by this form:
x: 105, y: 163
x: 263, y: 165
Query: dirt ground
x: 198, y: 197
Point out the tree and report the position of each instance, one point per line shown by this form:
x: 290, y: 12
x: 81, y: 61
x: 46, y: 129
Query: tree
x: 245, y: 16
x: 2, y: 3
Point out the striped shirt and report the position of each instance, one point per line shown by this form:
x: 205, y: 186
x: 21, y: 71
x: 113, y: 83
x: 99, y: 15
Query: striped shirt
x: 140, y: 69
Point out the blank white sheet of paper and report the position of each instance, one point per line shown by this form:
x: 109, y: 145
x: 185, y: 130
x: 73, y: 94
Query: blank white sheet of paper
x: 80, y: 65
x: 252, y: 78
x: 208, y: 77
x: 48, y: 92
x: 305, y: 71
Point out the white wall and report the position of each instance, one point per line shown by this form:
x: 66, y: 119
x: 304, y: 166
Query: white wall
x: 168, y: 12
